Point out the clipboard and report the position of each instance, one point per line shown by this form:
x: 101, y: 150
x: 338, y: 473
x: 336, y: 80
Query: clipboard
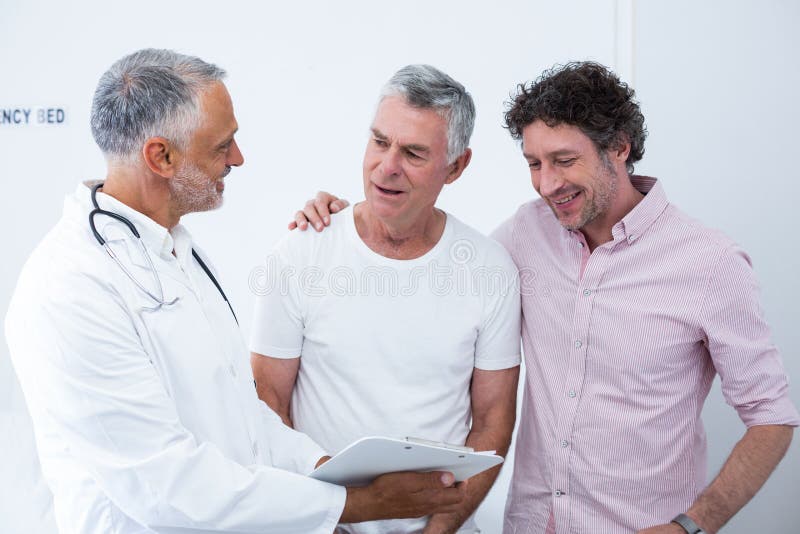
x: 362, y: 461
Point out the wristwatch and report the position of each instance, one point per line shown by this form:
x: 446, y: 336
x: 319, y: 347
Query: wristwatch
x: 687, y: 524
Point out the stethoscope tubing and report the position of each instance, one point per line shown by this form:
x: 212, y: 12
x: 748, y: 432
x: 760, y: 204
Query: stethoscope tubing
x: 159, y: 300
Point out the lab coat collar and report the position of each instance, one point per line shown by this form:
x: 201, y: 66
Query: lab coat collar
x: 155, y: 237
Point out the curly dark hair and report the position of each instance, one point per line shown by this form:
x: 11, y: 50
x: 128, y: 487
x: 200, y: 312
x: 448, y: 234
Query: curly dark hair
x: 583, y: 94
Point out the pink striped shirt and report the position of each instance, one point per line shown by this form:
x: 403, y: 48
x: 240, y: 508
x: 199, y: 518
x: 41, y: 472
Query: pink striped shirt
x: 621, y: 347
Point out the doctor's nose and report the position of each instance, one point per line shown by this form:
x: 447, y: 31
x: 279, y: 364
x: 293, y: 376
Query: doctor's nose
x: 235, y: 157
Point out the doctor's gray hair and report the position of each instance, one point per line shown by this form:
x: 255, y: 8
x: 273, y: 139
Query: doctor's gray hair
x: 427, y: 87
x: 146, y: 94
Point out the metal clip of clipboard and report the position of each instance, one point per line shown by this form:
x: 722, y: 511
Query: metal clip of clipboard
x: 420, y: 441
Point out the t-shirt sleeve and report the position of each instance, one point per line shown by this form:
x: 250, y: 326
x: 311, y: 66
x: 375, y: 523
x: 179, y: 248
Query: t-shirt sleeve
x: 277, y: 319
x: 498, y: 343
x: 753, y: 378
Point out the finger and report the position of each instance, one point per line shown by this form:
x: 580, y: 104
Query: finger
x: 434, y: 479
x: 300, y: 221
x: 292, y: 225
x: 322, y: 209
x: 446, y: 508
x: 443, y: 501
x: 312, y: 215
x: 326, y: 197
x: 454, y: 496
x: 338, y: 205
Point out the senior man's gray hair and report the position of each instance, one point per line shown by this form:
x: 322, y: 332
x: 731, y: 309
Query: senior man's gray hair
x: 146, y: 94
x: 427, y: 87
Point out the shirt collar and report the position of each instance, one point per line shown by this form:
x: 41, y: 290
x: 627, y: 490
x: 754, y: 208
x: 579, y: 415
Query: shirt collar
x: 154, y: 236
x: 645, y: 213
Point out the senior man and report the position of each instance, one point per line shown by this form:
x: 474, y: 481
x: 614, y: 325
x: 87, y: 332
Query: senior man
x: 634, y: 309
x: 400, y: 320
x: 131, y: 359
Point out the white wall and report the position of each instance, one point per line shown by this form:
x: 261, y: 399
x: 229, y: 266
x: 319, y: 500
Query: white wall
x: 304, y: 77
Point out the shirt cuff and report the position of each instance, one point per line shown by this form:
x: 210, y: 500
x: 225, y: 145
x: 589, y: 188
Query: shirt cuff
x: 338, y: 498
x: 780, y: 411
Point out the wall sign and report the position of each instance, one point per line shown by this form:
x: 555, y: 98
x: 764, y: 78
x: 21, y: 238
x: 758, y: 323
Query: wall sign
x: 32, y: 116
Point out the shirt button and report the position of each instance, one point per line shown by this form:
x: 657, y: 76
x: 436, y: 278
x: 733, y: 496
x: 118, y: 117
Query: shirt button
x: 578, y: 344
x: 631, y: 238
x: 572, y: 394
x: 587, y: 292
x: 559, y: 493
x: 564, y: 443
x: 580, y: 244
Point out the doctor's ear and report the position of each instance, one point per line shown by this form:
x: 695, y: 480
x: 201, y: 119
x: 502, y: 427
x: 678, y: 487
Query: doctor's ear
x: 159, y: 156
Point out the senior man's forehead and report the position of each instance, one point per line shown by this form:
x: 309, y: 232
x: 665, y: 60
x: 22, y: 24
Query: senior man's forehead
x: 396, y: 119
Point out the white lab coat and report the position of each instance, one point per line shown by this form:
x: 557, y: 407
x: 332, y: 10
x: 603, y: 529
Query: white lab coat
x: 148, y: 421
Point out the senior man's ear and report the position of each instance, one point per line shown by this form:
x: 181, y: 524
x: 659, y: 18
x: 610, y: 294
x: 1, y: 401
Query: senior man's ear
x: 159, y: 156
x: 457, y: 167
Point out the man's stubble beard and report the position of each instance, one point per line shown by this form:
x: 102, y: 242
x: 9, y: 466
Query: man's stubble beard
x: 191, y: 190
x: 604, y: 192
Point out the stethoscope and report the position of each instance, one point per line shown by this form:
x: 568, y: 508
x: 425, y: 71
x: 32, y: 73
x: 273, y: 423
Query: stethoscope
x: 159, y: 299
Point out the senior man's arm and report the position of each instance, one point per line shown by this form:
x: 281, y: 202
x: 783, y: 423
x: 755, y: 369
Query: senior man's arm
x: 494, y: 400
x: 275, y: 379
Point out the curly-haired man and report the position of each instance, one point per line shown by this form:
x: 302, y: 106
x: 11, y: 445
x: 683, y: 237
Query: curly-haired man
x: 633, y: 309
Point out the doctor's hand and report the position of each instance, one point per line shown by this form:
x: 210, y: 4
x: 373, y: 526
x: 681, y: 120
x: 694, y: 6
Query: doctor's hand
x: 317, y: 211
x: 404, y: 495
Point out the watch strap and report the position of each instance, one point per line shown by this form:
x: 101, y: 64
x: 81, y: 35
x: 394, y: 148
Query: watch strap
x: 688, y: 524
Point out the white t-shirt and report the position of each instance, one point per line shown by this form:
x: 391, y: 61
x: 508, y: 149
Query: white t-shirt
x: 388, y: 346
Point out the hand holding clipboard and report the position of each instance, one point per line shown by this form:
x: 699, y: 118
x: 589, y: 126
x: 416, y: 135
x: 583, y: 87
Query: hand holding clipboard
x: 361, y: 462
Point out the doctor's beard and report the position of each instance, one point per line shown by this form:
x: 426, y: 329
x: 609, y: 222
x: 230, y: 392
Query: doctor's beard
x: 191, y: 190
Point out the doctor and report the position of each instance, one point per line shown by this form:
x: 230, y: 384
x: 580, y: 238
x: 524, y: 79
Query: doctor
x: 130, y: 357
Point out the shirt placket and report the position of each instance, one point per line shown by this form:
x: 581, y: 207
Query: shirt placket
x: 589, y: 275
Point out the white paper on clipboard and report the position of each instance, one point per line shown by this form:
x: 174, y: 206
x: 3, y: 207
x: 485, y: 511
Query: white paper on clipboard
x: 361, y: 462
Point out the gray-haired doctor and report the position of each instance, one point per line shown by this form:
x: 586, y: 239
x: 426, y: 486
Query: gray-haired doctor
x: 130, y: 357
